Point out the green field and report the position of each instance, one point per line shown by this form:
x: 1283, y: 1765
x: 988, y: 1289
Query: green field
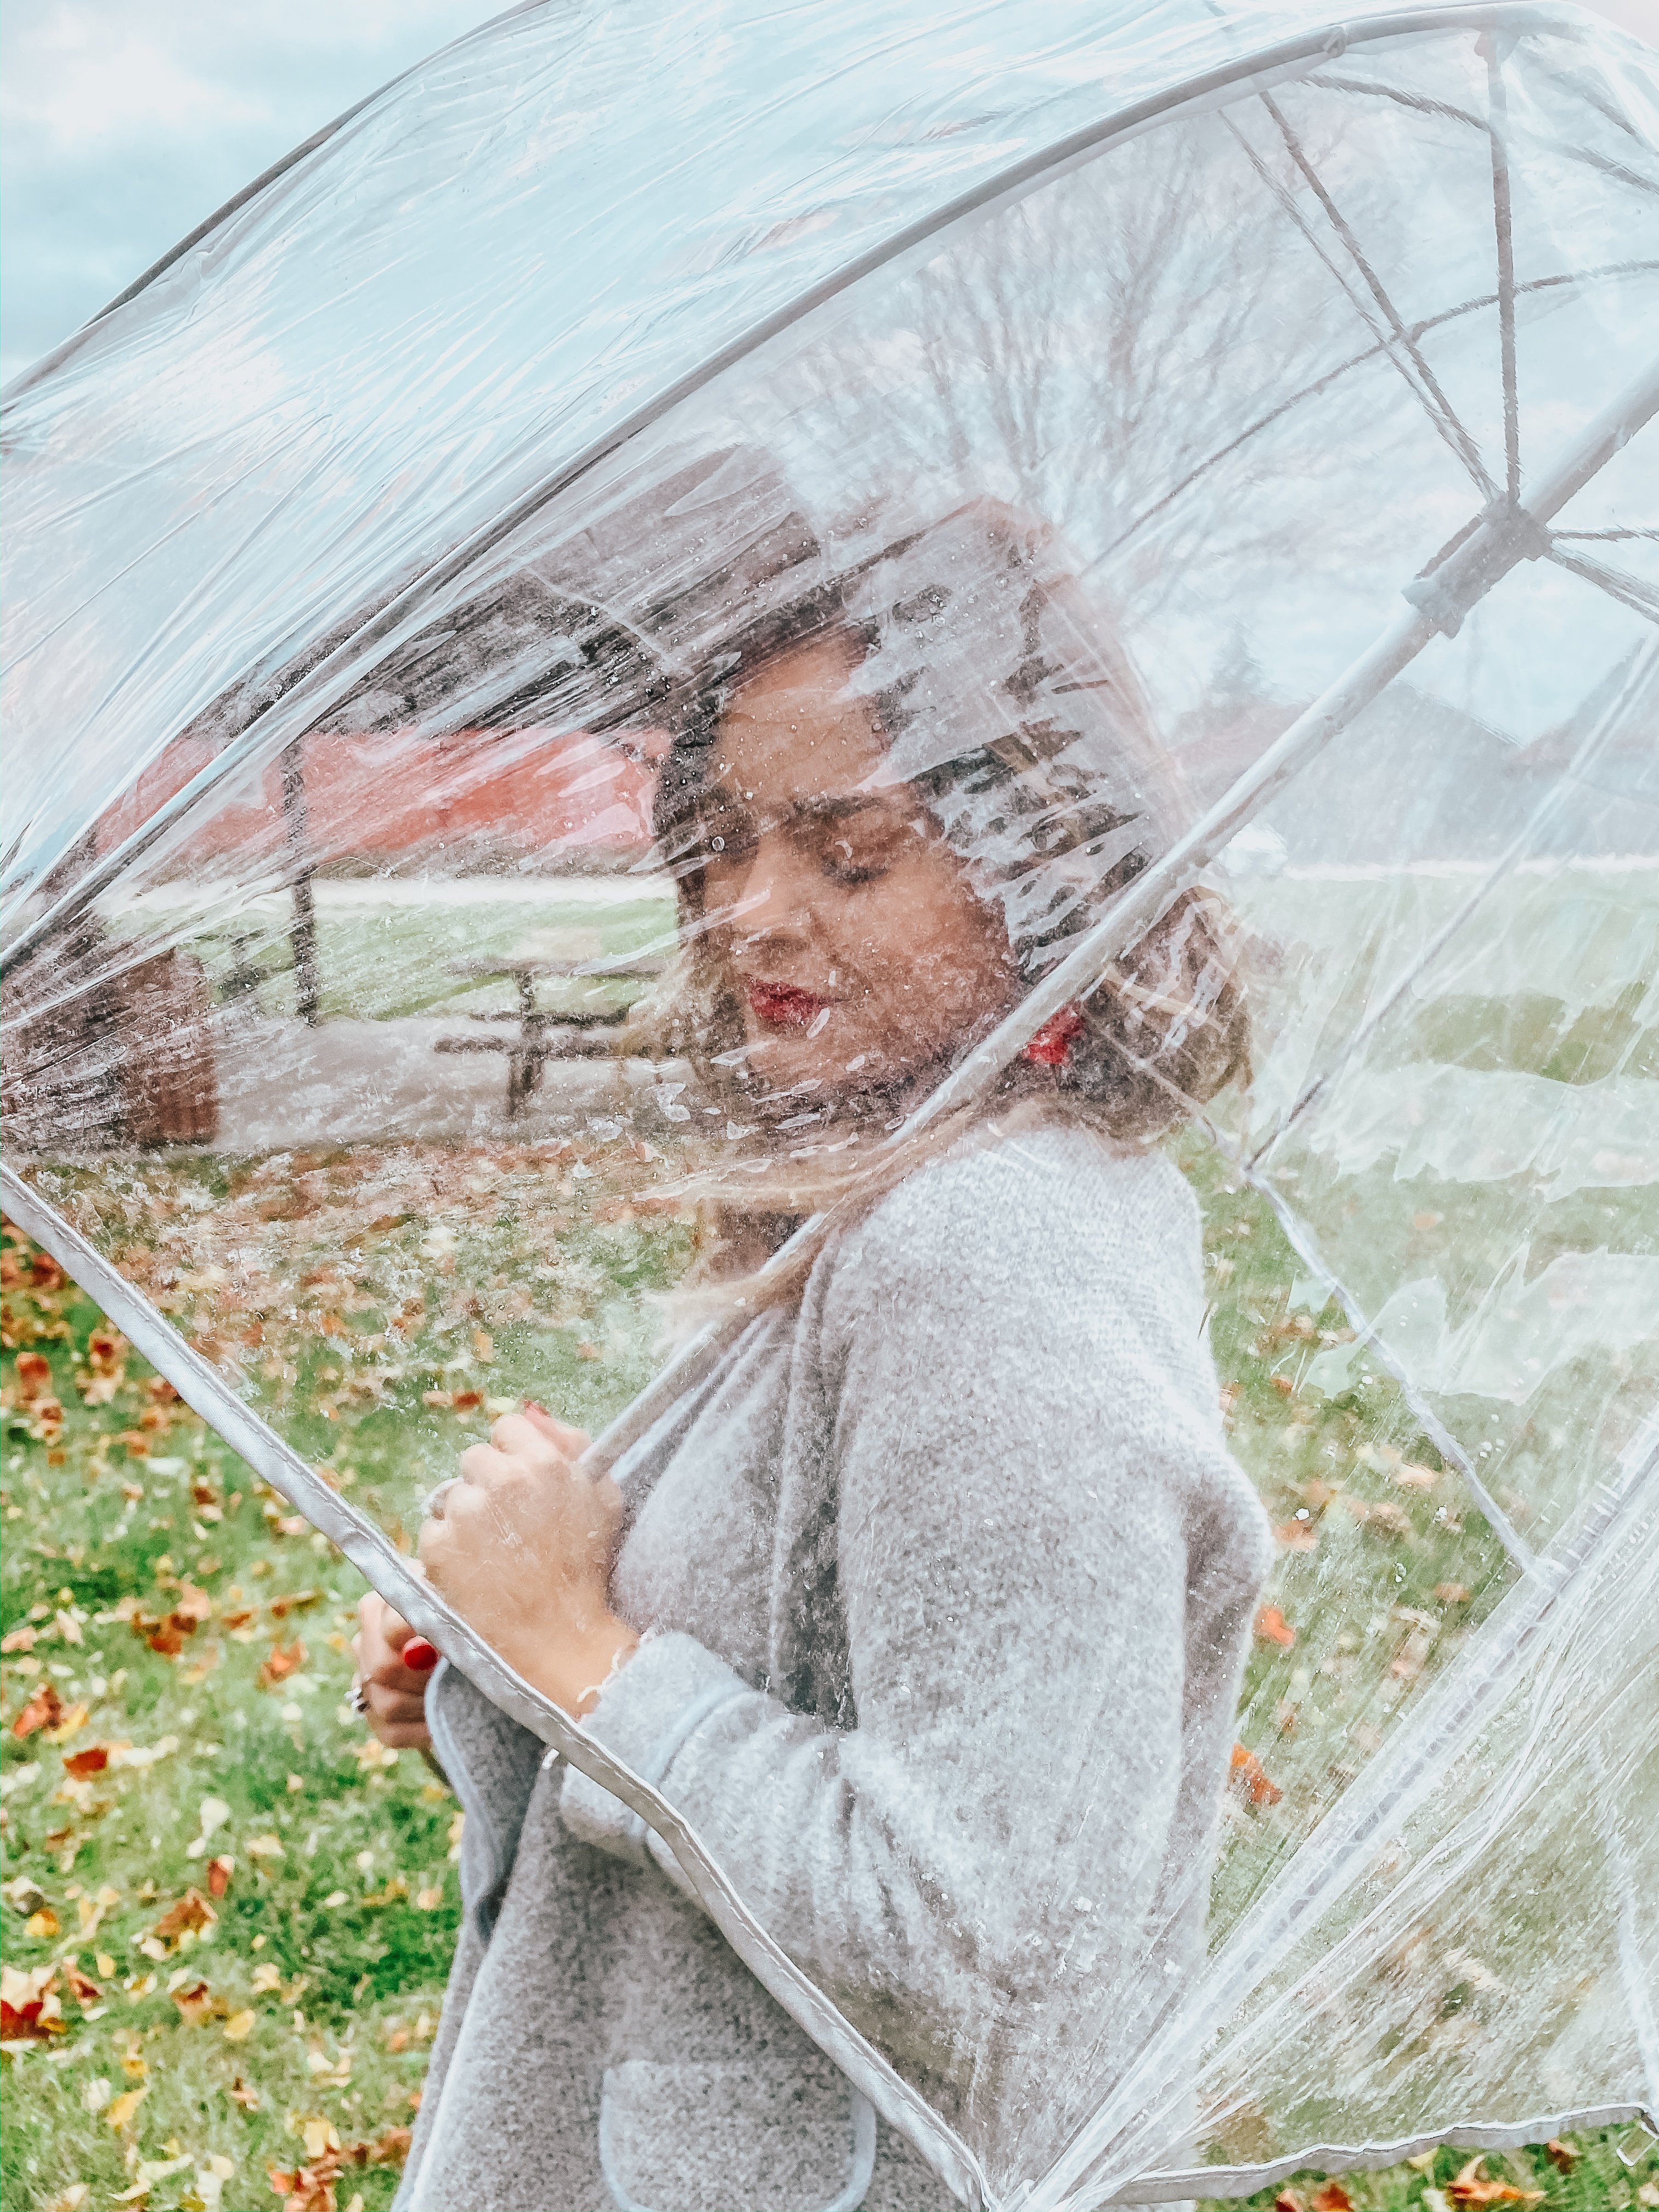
x: 233, y: 1913
x: 387, y: 960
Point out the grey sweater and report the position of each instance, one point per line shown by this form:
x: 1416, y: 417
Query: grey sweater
x: 946, y: 1578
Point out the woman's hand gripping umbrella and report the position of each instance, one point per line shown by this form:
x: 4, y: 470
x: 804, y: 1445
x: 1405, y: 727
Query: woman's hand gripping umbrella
x: 519, y: 1536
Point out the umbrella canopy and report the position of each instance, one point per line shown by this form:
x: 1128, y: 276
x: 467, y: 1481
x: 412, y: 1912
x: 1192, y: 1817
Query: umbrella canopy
x: 1218, y: 437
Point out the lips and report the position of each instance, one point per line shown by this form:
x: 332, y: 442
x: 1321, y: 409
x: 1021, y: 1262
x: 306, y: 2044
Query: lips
x: 781, y: 1006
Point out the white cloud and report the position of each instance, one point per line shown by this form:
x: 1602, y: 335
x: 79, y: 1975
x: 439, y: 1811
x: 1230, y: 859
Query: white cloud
x: 125, y: 122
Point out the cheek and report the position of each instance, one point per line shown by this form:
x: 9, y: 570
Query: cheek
x: 927, y: 950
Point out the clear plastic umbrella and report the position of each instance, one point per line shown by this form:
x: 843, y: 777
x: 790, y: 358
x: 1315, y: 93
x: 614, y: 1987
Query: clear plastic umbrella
x: 1224, y: 433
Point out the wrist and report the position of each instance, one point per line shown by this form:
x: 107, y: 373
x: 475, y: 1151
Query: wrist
x: 577, y: 1670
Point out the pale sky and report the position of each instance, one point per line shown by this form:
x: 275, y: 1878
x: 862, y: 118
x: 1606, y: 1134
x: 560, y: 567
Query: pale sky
x: 125, y: 122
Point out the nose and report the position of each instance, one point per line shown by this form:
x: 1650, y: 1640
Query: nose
x: 771, y: 904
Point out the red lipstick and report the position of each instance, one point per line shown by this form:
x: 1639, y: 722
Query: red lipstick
x: 781, y: 1006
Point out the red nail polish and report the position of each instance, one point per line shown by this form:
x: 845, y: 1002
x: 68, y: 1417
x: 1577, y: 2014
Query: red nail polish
x: 419, y: 1656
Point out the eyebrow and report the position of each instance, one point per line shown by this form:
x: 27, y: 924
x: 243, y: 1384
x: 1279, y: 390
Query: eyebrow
x: 824, y: 809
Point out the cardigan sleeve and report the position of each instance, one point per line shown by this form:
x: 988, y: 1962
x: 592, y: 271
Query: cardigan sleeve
x: 1008, y: 1391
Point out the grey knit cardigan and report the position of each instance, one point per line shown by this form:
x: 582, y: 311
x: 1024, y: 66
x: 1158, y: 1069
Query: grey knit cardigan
x: 946, y: 1578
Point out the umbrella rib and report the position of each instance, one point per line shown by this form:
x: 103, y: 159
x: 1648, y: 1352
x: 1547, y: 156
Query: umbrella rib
x: 1418, y: 102
x: 1323, y: 384
x: 1603, y: 163
x: 1386, y: 344
x: 1434, y: 1428
x: 1498, y: 109
x: 1440, y: 408
x: 1641, y: 598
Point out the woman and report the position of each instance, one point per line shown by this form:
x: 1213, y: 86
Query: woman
x: 928, y: 1609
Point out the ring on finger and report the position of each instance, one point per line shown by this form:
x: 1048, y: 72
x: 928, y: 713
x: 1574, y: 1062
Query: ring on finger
x: 434, y: 1507
x: 358, y: 1699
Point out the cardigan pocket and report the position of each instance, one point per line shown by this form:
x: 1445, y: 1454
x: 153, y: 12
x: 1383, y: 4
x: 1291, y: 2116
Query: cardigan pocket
x: 773, y: 2135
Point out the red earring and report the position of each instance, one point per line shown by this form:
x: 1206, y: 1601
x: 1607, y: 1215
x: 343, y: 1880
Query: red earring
x: 1052, y: 1045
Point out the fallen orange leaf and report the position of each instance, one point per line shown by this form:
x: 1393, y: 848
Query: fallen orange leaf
x: 1272, y: 1625
x: 308, y: 2188
x: 44, y: 1710
x: 196, y: 2004
x: 293, y: 1601
x: 192, y: 1911
x: 119, y: 2114
x: 29, y: 2011
x: 1253, y: 1778
x: 1471, y: 2187
x: 280, y: 1663
x: 33, y: 1375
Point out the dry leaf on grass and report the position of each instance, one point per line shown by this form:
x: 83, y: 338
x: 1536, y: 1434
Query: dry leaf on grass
x: 191, y: 1912
x: 1471, y: 2187
x: 43, y: 1711
x: 34, y: 1376
x: 29, y: 2008
x: 197, y: 2003
x: 1249, y: 1775
x: 307, y: 2188
x: 281, y: 1664
x: 119, y: 2114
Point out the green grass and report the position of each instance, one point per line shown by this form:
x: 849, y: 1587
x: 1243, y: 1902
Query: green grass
x: 335, y: 1928
x: 353, y: 1295
x: 389, y: 962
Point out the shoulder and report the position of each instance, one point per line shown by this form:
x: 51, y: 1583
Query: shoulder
x: 1055, y: 1203
x: 1047, y: 1286
x: 1046, y: 1237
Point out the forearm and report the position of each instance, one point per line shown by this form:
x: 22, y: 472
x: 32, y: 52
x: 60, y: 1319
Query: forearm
x: 828, y: 1849
x: 925, y: 1883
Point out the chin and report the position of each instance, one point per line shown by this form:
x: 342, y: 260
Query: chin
x: 782, y: 1062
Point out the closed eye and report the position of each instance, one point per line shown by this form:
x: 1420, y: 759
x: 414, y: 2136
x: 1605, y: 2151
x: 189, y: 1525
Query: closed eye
x: 843, y: 865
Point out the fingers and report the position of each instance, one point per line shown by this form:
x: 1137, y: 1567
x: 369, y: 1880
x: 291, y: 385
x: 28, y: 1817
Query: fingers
x: 395, y: 1630
x: 394, y: 1688
x: 390, y: 1657
x: 395, y: 1738
x: 572, y: 1442
x: 393, y: 1707
x: 534, y: 1440
x: 398, y: 1719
